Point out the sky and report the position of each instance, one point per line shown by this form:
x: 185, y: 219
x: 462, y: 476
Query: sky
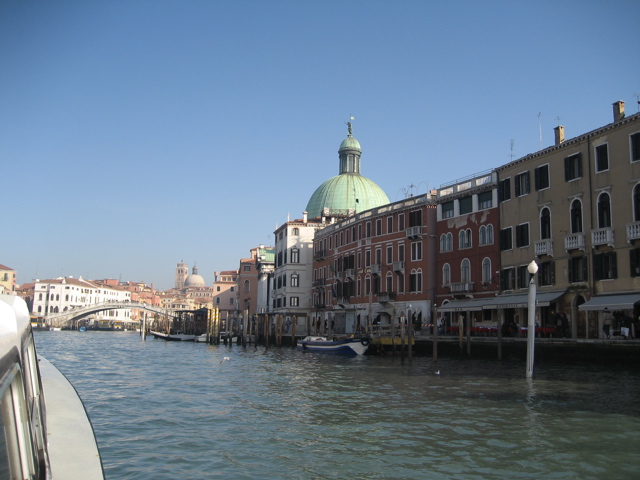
x: 135, y: 135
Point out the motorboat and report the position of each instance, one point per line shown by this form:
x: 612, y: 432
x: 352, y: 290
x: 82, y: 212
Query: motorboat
x: 174, y: 337
x: 204, y: 338
x: 349, y: 346
x: 46, y: 432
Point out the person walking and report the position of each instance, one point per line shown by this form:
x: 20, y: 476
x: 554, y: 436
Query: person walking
x: 606, y: 327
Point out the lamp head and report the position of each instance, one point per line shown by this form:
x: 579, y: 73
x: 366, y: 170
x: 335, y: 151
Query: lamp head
x: 532, y: 268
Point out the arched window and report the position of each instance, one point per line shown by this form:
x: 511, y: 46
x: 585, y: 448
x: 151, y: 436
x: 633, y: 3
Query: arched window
x: 415, y: 280
x: 486, y: 270
x: 545, y: 224
x: 465, y: 238
x: 443, y: 242
x: 247, y: 288
x: 604, y: 211
x: 482, y: 237
x: 465, y: 270
x: 295, y: 280
x: 295, y: 255
x: 576, y: 216
x: 446, y: 274
x: 296, y: 231
x: 489, y: 234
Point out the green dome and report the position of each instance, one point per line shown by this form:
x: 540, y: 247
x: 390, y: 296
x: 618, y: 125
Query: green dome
x: 345, y: 192
x: 350, y: 143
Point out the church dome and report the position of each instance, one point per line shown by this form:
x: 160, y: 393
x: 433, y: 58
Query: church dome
x: 194, y: 280
x: 349, y: 192
x: 346, y: 192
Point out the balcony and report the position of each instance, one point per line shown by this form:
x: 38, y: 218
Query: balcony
x: 398, y: 267
x: 386, y: 297
x: 461, y: 287
x: 319, y: 282
x: 633, y: 231
x: 339, y: 276
x: 321, y: 254
x: 544, y: 247
x: 375, y: 269
x: 342, y: 301
x: 602, y: 236
x: 574, y: 241
x: 414, y: 232
x: 349, y: 274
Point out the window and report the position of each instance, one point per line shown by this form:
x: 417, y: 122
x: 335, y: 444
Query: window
x: 368, y: 230
x: 296, y: 231
x: 634, y: 262
x: 379, y: 226
x: 389, y: 283
x: 447, y: 210
x: 218, y: 301
x: 578, y: 269
x: 466, y: 205
x: 295, y: 280
x: 522, y: 276
x: 486, y: 270
x: 389, y: 254
x: 522, y: 235
x: 636, y: 203
x: 602, y: 158
x: 541, y: 177
x: 604, y: 211
x: 231, y: 301
x: 576, y: 216
x: 389, y: 224
x: 464, y: 239
x: 635, y: 146
x: 504, y: 190
x: 295, y: 255
x: 294, y: 301
x: 415, y: 218
x: 415, y: 281
x: 605, y: 266
x: 486, y: 235
x: 367, y: 258
x: 401, y: 222
x: 545, y: 224
x: 546, y: 274
x: 233, y: 289
x: 247, y: 268
x: 465, y: 270
x: 401, y: 252
x: 416, y: 251
x: 573, y: 167
x: 444, y: 242
x: 446, y: 274
x: 367, y: 285
x: 247, y: 286
x: 506, y: 242
x: 522, y: 184
x: 378, y: 256
x: 507, y: 279
x: 485, y: 200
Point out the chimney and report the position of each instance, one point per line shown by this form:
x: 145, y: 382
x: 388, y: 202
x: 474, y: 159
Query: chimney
x: 304, y: 216
x: 559, y: 130
x: 618, y: 111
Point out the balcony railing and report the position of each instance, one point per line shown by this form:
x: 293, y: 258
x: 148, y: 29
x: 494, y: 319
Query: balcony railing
x: 319, y: 282
x: 544, y: 247
x: 633, y: 231
x: 602, y: 236
x: 321, y: 254
x: 574, y: 241
x: 398, y: 267
x: 386, y: 297
x: 349, y: 273
x: 461, y: 287
x: 339, y: 275
x: 414, y: 232
x: 375, y: 269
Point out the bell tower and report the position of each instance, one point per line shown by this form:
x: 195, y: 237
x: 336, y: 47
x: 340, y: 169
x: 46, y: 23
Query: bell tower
x: 181, y: 275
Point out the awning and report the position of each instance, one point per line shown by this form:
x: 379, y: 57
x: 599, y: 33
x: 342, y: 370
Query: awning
x: 467, y: 305
x: 612, y: 302
x: 521, y: 300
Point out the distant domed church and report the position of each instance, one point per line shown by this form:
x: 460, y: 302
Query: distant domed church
x: 349, y: 192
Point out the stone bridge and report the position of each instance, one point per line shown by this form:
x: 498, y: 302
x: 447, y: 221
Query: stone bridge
x: 63, y: 318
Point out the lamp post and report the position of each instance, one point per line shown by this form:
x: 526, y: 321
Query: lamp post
x: 531, y: 317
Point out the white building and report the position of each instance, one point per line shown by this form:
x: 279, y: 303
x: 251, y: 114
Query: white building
x: 66, y: 293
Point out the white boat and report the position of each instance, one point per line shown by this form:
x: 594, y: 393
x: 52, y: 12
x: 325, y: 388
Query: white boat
x: 349, y: 346
x: 174, y: 337
x: 204, y: 338
x: 47, y: 433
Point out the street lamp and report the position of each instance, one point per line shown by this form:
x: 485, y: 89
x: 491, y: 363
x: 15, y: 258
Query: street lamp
x: 532, y: 268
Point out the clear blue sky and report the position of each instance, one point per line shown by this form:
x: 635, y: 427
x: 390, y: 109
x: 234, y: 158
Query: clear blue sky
x: 134, y: 135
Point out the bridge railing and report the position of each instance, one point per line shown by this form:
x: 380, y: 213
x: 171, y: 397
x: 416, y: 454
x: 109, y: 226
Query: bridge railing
x: 63, y: 318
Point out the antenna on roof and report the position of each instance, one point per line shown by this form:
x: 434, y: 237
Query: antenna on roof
x: 540, y: 129
x: 512, y: 144
x: 637, y: 95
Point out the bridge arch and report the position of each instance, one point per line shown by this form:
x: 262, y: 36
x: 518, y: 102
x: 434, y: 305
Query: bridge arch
x: 68, y: 316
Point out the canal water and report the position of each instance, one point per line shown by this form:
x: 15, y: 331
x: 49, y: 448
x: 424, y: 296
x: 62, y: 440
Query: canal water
x: 168, y: 410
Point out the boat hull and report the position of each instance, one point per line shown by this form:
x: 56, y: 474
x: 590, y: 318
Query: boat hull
x: 177, y: 337
x: 349, y: 346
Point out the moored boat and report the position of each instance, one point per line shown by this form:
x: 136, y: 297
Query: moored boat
x: 174, y: 337
x: 349, y: 346
x: 47, y: 433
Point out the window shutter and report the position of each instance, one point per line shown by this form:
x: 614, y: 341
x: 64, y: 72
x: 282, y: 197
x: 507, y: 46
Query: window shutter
x: 567, y: 169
